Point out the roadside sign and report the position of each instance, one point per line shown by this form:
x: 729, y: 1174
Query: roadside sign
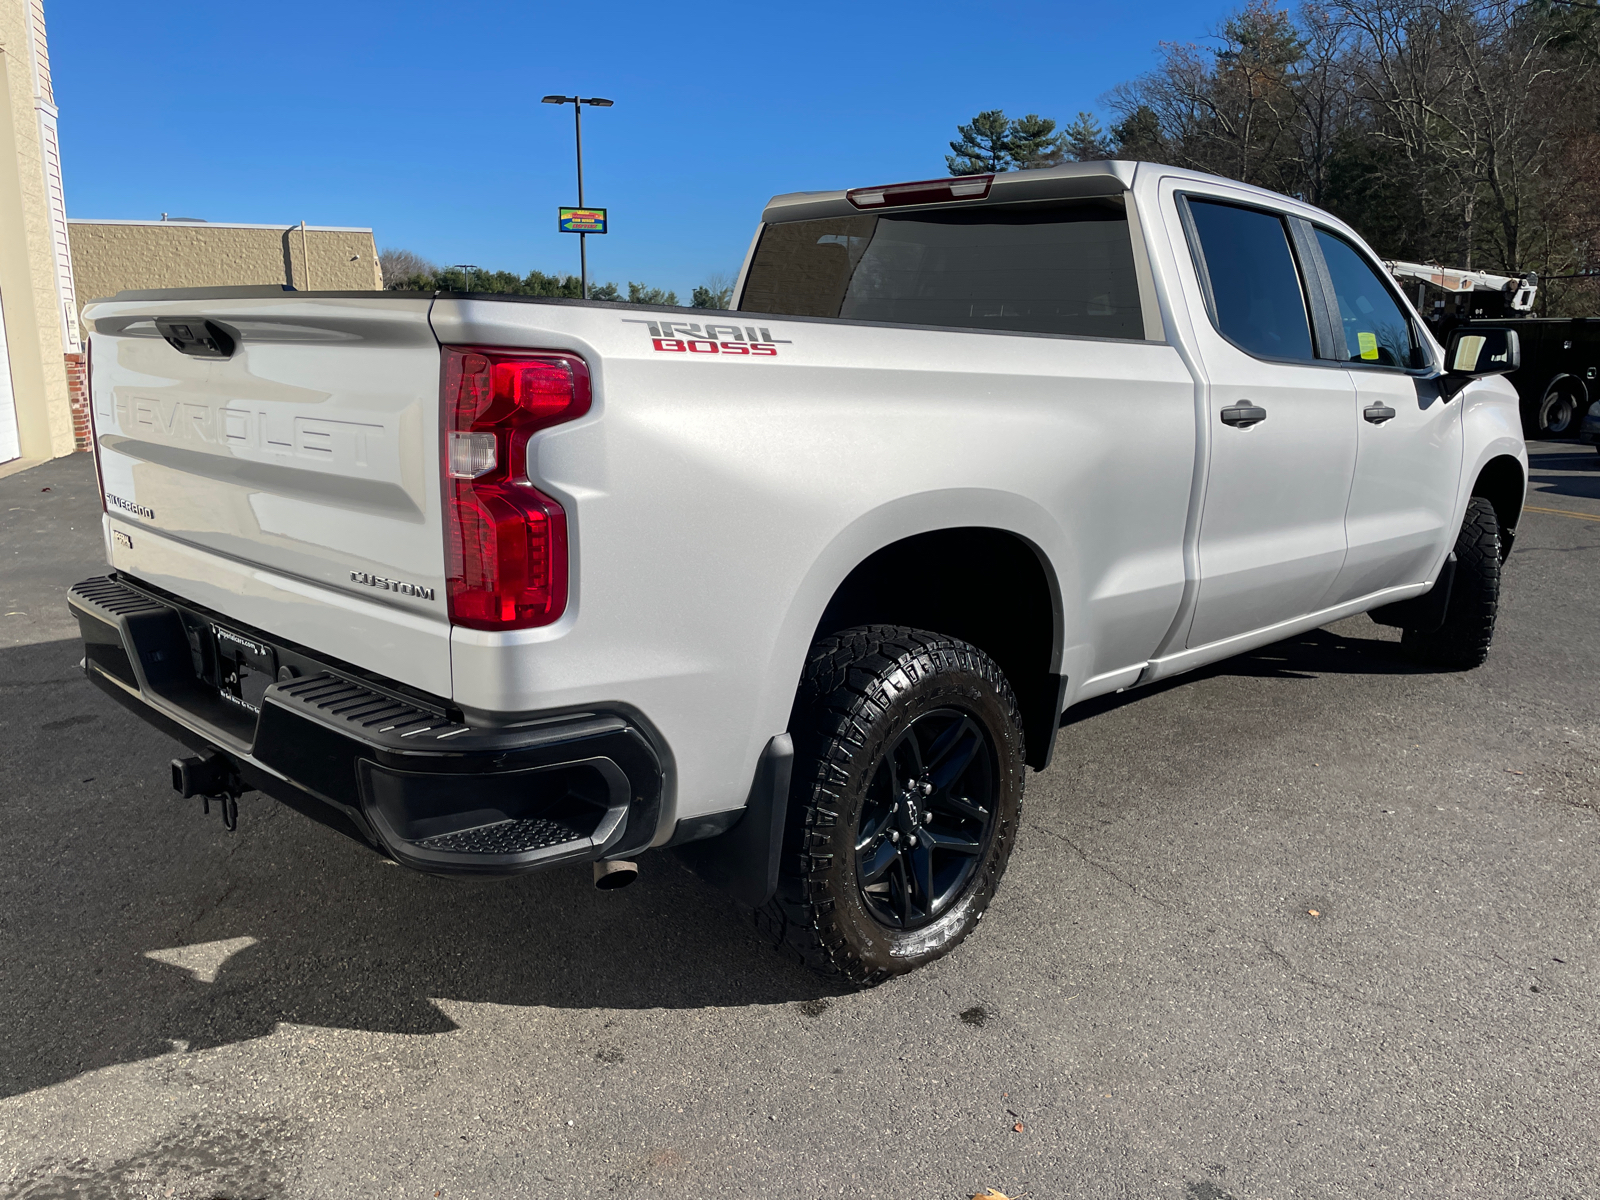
x: 583, y: 220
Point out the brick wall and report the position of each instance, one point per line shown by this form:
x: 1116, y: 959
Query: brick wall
x: 78, y: 394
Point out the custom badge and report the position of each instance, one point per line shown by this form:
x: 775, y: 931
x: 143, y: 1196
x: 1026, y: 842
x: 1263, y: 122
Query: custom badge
x: 368, y: 579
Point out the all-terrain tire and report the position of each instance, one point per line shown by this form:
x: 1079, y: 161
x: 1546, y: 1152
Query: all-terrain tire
x: 1462, y: 642
x: 864, y: 696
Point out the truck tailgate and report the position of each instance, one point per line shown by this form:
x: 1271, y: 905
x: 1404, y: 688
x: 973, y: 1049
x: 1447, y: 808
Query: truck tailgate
x: 294, y: 484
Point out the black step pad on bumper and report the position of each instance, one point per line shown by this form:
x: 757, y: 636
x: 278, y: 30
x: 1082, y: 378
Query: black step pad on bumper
x: 403, y: 772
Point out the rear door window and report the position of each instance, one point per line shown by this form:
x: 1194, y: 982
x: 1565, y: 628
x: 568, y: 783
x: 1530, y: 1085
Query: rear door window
x: 1063, y: 268
x: 1376, y: 328
x: 1257, y: 300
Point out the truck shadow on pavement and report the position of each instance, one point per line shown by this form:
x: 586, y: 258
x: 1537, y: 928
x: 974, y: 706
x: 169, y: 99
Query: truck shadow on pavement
x: 1584, y: 486
x: 133, y: 925
x: 286, y: 921
x: 1304, y: 656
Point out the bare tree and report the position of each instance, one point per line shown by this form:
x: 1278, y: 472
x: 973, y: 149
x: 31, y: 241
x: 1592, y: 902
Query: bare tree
x: 1323, y: 94
x: 1473, y: 99
x: 1233, y: 109
x: 1457, y: 130
x: 401, y: 266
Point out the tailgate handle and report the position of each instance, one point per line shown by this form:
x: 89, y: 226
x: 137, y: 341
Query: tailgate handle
x: 197, y: 337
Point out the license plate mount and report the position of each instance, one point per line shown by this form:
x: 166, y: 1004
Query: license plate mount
x: 246, y: 668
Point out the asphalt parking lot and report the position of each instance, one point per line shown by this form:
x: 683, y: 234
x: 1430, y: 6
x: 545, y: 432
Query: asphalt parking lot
x: 1311, y: 923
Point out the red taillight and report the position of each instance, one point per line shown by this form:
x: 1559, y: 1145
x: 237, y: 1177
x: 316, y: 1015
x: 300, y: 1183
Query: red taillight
x: 505, y: 541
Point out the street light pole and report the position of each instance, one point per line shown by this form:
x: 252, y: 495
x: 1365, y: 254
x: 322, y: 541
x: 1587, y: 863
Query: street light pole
x: 583, y: 238
x: 577, y: 129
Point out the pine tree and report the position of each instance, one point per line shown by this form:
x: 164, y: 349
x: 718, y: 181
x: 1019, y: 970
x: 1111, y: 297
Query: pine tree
x: 1032, y: 141
x: 639, y: 294
x: 715, y: 292
x: 983, y: 146
x: 1138, y: 136
x: 1084, y: 140
x: 705, y: 297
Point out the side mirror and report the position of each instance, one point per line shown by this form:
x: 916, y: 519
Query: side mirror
x: 1474, y: 353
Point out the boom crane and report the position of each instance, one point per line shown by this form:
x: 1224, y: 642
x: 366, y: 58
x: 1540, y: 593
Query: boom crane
x: 1520, y: 290
x: 1559, y: 379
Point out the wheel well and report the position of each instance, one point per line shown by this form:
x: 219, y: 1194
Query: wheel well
x: 1501, y: 484
x: 984, y: 586
x: 1579, y: 386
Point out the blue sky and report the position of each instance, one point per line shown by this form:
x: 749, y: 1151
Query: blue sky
x: 423, y: 120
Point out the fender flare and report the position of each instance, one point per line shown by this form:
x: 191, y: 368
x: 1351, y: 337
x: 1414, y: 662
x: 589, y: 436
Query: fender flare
x: 1491, y: 427
x: 904, y: 517
x: 743, y: 859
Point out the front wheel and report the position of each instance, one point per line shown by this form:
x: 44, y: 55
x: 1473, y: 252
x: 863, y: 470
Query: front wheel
x: 1462, y: 641
x: 908, y: 781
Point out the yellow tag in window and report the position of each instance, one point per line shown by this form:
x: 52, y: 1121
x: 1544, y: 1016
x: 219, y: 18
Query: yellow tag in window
x: 1369, y: 346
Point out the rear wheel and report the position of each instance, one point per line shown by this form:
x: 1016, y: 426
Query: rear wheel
x: 1462, y: 642
x: 1562, y: 408
x: 908, y: 781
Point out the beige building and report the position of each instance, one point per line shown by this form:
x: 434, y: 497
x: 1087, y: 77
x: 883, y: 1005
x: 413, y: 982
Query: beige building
x: 42, y: 409
x: 113, y: 256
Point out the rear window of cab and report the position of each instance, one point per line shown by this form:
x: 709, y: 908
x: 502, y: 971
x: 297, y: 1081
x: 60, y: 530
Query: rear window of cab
x: 1057, y: 268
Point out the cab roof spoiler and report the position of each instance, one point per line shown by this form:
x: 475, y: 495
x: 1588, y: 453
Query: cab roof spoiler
x: 1070, y: 181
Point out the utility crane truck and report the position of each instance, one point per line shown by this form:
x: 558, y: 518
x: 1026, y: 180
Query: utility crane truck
x: 1559, y: 379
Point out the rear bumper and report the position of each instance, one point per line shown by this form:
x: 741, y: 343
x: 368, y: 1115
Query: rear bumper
x: 397, y: 770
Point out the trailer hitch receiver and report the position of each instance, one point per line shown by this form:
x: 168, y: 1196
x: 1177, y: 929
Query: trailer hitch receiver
x: 211, y: 777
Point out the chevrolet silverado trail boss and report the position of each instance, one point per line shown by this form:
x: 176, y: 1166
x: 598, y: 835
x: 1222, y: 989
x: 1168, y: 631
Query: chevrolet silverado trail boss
x: 798, y: 589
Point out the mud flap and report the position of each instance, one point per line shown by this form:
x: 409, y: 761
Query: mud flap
x: 744, y: 860
x: 1424, y: 613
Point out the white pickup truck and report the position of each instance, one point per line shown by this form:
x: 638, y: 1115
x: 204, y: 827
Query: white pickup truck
x: 799, y: 589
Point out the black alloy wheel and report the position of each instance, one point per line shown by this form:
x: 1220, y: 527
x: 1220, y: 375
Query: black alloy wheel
x: 926, y: 820
x: 905, y: 802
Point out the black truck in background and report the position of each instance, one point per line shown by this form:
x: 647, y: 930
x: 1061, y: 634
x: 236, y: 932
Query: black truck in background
x: 1559, y: 380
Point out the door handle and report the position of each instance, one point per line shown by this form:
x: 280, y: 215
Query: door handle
x: 1242, y: 416
x: 1378, y: 413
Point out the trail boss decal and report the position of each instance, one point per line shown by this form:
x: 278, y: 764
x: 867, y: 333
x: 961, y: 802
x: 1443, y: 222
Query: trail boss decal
x: 678, y: 337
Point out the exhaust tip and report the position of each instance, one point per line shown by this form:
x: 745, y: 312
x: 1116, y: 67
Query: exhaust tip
x: 616, y: 873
